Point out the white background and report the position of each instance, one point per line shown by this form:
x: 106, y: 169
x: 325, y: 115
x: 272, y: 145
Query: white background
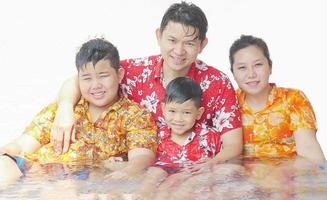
x: 39, y: 39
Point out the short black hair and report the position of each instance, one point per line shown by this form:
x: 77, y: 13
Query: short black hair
x: 95, y: 50
x: 246, y: 41
x: 187, y: 14
x: 182, y: 89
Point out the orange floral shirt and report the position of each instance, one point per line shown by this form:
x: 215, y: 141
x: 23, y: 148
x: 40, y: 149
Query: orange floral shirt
x: 269, y: 132
x: 122, y: 127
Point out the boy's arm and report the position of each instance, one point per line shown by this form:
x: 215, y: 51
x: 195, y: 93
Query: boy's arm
x: 138, y: 160
x: 62, y: 132
x: 24, y: 143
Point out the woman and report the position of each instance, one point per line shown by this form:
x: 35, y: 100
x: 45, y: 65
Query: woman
x: 277, y: 122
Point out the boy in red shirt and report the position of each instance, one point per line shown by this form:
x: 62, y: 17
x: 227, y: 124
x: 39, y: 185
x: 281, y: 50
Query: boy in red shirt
x: 182, y: 143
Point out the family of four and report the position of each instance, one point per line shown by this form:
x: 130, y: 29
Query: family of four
x: 169, y: 111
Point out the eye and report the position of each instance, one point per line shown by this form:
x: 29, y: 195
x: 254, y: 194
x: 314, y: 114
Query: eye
x: 191, y: 44
x: 171, y: 111
x: 104, y: 75
x: 86, y: 78
x: 187, y: 113
x: 242, y: 67
x: 258, y: 64
x: 171, y: 40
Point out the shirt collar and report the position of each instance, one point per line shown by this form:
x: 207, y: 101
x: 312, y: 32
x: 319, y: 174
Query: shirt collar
x: 84, y: 104
x: 158, y: 69
x: 271, y: 97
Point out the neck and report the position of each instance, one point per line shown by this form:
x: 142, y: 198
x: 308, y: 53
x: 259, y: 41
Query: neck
x: 180, y: 139
x: 95, y: 112
x: 257, y: 102
x: 169, y: 74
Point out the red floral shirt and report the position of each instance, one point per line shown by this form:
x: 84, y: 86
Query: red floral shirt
x: 201, y: 143
x: 143, y: 84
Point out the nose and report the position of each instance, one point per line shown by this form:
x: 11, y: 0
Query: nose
x: 96, y: 83
x: 178, y: 117
x: 252, y: 73
x: 179, y: 49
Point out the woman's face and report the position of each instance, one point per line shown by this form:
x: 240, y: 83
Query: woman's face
x: 251, y: 70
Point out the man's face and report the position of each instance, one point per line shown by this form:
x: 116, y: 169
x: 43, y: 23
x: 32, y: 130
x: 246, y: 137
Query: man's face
x: 179, y: 46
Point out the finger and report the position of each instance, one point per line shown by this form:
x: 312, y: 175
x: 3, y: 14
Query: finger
x: 73, y: 138
x: 58, y: 142
x: 111, y: 159
x: 53, y: 135
x: 66, y: 141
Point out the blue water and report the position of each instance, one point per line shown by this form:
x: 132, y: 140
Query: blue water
x: 241, y: 180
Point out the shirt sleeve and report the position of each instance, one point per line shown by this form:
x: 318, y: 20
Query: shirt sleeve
x: 301, y: 111
x: 40, y: 127
x: 141, y: 131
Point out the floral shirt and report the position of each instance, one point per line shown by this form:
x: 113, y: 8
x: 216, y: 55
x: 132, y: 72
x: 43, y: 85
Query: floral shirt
x: 143, y: 84
x: 269, y: 132
x: 122, y: 127
x: 201, y: 143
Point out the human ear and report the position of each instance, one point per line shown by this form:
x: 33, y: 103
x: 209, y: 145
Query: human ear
x: 121, y: 73
x: 200, y: 112
x: 203, y: 44
x: 158, y: 35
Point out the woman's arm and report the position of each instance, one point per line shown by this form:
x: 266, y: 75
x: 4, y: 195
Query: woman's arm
x: 308, y: 146
x: 232, y: 145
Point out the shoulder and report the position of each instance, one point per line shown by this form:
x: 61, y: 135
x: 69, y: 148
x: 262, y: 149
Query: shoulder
x: 140, y: 62
x: 210, y: 77
x: 205, y: 69
x: 290, y: 93
x: 133, y: 111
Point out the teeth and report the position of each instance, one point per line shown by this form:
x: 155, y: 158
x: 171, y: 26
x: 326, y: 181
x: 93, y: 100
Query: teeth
x: 178, y: 60
x: 253, y: 83
x: 97, y: 94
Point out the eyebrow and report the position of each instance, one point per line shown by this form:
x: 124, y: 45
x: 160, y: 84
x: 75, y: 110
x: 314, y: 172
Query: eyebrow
x: 84, y: 75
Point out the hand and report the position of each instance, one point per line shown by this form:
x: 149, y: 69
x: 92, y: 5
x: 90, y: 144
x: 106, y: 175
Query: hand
x: 63, y: 131
x: 115, y: 163
x: 200, y: 166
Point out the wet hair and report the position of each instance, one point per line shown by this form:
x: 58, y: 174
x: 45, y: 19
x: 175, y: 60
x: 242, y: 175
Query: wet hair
x: 246, y: 41
x: 182, y: 89
x: 95, y: 50
x: 187, y: 14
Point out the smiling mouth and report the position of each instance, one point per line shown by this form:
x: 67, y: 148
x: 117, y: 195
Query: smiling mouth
x: 253, y: 83
x: 97, y: 95
x: 178, y: 125
x: 177, y: 60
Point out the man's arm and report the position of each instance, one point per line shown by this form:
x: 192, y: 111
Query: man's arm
x: 308, y: 146
x: 232, y: 145
x: 63, y: 132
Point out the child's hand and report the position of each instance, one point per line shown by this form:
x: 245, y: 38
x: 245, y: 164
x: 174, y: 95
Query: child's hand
x: 115, y: 163
x: 201, y: 166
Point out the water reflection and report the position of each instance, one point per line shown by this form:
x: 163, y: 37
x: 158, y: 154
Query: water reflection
x: 245, y: 178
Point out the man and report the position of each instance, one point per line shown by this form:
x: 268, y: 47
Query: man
x: 181, y: 38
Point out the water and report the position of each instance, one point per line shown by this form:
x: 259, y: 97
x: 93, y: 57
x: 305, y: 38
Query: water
x: 241, y: 179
